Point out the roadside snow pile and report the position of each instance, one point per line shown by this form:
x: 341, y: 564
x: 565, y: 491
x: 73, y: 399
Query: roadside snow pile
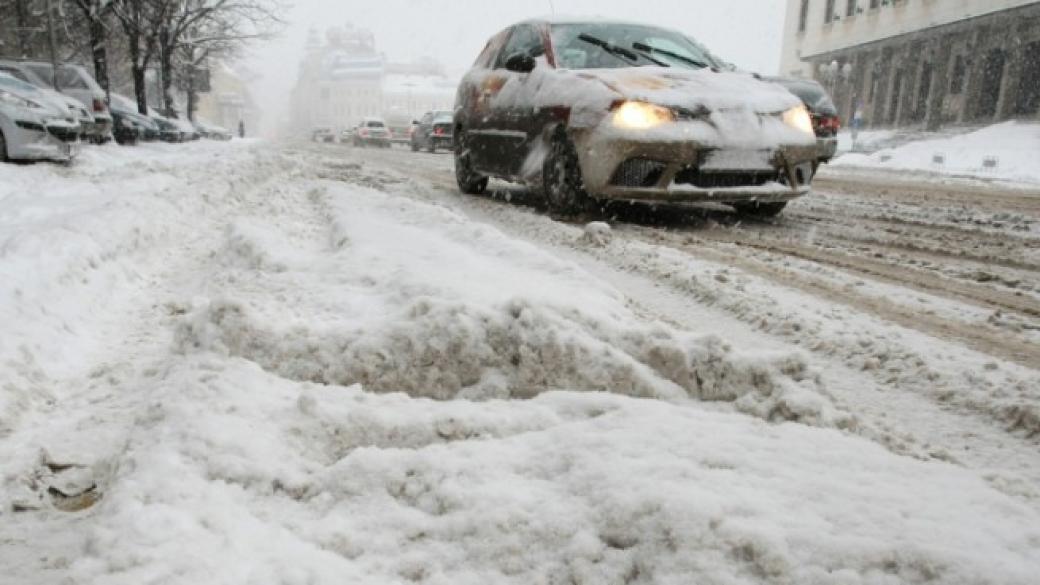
x: 1009, y: 152
x: 433, y: 305
x: 235, y: 475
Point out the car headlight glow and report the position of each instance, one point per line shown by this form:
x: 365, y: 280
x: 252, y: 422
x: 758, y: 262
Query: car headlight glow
x: 14, y: 100
x: 798, y: 118
x: 641, y: 116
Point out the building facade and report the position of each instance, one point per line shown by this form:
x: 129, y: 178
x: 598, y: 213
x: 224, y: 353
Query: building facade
x: 919, y: 62
x: 345, y: 79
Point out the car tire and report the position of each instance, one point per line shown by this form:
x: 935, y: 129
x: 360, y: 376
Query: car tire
x: 562, y: 183
x: 760, y: 209
x: 3, y: 147
x: 468, y: 180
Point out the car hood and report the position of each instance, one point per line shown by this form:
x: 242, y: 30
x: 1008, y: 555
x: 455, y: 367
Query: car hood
x: 695, y: 90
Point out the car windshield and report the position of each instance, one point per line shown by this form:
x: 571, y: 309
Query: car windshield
x: 443, y: 118
x: 577, y: 46
x: 375, y: 124
x: 815, y: 97
x: 9, y: 82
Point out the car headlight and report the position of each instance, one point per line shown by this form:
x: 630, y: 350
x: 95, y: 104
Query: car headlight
x: 641, y: 116
x: 11, y: 99
x: 798, y: 118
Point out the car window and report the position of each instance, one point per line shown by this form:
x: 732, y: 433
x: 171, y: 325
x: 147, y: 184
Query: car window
x: 70, y: 78
x: 670, y: 48
x: 18, y: 85
x: 426, y: 119
x: 16, y: 73
x: 525, y: 39
x: 491, y: 51
x: 375, y: 124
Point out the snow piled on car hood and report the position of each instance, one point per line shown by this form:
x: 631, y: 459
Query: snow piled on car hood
x: 694, y: 90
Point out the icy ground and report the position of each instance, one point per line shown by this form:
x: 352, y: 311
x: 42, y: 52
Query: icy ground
x: 250, y: 364
x: 1007, y: 152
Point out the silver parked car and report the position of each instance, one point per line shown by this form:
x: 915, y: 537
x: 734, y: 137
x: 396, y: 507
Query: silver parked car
x: 73, y: 81
x: 32, y: 126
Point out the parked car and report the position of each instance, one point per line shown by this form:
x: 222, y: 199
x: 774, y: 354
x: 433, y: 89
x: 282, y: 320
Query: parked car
x: 75, y: 107
x: 612, y: 110
x: 73, y: 81
x: 433, y: 131
x: 372, y: 132
x: 212, y: 132
x: 32, y: 127
x: 347, y: 135
x: 124, y: 110
x: 826, y: 122
x: 323, y: 134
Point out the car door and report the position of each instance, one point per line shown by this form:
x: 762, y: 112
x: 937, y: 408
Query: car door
x: 510, y: 106
x: 473, y: 104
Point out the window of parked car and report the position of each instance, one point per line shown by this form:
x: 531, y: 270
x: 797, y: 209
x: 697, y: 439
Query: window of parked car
x: 494, y: 46
x: 16, y: 73
x: 374, y: 124
x: 524, y: 40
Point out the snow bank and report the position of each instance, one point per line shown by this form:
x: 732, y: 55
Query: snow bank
x: 1009, y: 152
x: 236, y: 476
x: 435, y: 306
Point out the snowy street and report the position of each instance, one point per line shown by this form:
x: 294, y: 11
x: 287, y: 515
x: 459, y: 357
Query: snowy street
x: 300, y: 364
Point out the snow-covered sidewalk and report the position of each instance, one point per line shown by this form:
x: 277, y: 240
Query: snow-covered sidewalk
x: 219, y: 367
x: 1008, y: 152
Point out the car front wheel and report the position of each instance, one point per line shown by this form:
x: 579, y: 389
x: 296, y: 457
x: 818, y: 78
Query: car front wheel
x: 563, y: 185
x: 470, y: 182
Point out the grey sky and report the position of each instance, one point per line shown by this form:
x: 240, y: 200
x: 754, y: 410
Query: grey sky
x: 745, y: 32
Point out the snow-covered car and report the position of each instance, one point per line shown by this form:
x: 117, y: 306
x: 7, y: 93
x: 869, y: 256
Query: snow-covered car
x: 73, y: 81
x: 129, y: 124
x: 372, y: 132
x: 612, y: 110
x: 826, y: 122
x: 75, y: 107
x: 323, y: 134
x: 32, y: 126
x: 433, y: 131
x: 212, y: 131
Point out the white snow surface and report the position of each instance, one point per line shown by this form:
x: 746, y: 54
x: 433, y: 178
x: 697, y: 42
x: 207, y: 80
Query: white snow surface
x: 1009, y: 151
x: 247, y: 373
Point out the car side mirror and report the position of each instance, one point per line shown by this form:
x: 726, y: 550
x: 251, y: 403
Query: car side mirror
x: 520, y: 63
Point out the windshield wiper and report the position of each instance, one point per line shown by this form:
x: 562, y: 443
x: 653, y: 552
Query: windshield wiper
x: 612, y: 48
x: 649, y: 49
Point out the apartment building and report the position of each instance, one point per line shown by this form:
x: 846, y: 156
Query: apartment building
x: 919, y: 62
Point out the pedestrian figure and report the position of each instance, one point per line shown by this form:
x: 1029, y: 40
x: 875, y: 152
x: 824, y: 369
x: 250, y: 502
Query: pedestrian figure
x: 857, y: 122
x: 241, y: 129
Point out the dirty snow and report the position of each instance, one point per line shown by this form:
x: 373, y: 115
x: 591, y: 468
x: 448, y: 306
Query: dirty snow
x: 229, y: 363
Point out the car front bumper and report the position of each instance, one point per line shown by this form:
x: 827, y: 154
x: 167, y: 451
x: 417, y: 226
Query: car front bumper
x: 631, y: 168
x: 34, y: 141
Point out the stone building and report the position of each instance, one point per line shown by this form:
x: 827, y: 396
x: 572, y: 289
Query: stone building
x: 344, y: 79
x: 919, y: 62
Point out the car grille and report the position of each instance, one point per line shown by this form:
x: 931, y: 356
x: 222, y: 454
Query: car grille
x: 63, y: 134
x: 638, y: 172
x: 722, y: 180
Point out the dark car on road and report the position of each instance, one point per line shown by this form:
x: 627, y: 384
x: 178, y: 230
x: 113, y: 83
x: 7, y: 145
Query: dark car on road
x: 595, y: 110
x: 826, y: 122
x: 433, y: 131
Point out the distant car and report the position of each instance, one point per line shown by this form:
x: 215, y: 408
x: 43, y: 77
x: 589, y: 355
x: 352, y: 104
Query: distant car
x: 600, y: 110
x: 323, y: 134
x: 32, y: 127
x: 346, y: 136
x: 372, y: 132
x: 211, y: 131
x: 826, y: 122
x: 148, y: 128
x: 73, y: 81
x: 433, y: 131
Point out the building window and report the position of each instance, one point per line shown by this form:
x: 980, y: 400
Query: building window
x: 828, y: 15
x: 851, y: 8
x: 803, y: 17
x: 960, y: 69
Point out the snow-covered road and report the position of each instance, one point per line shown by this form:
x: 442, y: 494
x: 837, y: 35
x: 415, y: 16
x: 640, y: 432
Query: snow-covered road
x: 244, y: 363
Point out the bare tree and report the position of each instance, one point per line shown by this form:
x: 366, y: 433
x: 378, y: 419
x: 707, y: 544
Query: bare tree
x: 141, y: 21
x: 94, y: 14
